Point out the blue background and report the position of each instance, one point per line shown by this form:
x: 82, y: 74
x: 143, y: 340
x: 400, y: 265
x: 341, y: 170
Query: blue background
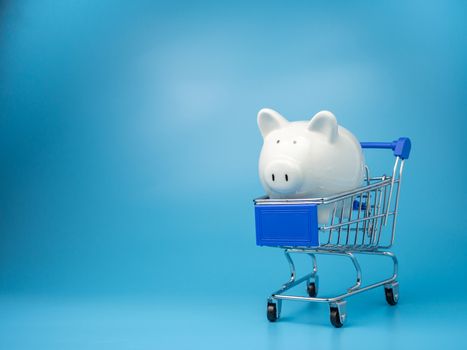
x: 128, y: 161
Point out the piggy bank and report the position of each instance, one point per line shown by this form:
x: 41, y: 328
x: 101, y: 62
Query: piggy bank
x: 308, y: 159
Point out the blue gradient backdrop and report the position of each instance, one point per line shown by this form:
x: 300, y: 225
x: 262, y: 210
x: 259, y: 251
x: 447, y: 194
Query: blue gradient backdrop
x: 128, y: 161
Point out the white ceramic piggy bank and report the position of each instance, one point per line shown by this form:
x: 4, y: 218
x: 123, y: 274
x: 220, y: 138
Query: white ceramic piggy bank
x: 308, y: 159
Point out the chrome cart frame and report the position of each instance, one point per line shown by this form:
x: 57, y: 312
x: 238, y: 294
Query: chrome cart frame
x: 362, y: 221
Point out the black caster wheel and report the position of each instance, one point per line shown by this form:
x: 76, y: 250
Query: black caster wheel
x: 312, y: 289
x: 338, y: 313
x: 336, y: 318
x: 391, y: 297
x: 272, y: 312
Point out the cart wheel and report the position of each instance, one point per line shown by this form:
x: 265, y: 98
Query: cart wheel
x: 336, y: 318
x: 272, y: 312
x: 391, y: 298
x: 312, y: 289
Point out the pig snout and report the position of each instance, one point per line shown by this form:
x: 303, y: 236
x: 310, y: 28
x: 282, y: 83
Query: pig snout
x: 283, y: 176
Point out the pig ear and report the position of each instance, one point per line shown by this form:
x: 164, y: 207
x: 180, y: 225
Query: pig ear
x: 269, y: 120
x: 325, y: 123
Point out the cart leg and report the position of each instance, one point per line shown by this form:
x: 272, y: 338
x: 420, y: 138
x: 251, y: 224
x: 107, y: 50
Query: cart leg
x: 313, y: 282
x: 338, y: 313
x: 293, y: 281
x: 291, y: 267
x: 356, y: 265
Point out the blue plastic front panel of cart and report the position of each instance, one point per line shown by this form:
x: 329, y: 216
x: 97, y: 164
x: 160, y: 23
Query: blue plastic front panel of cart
x: 294, y: 225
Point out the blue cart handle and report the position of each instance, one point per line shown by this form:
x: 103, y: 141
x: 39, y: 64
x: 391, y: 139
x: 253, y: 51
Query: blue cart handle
x: 400, y: 147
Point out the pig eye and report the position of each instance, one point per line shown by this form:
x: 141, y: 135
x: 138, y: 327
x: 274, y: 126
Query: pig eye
x: 278, y: 141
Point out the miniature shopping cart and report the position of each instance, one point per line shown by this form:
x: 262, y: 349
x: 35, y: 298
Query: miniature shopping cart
x: 363, y: 221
